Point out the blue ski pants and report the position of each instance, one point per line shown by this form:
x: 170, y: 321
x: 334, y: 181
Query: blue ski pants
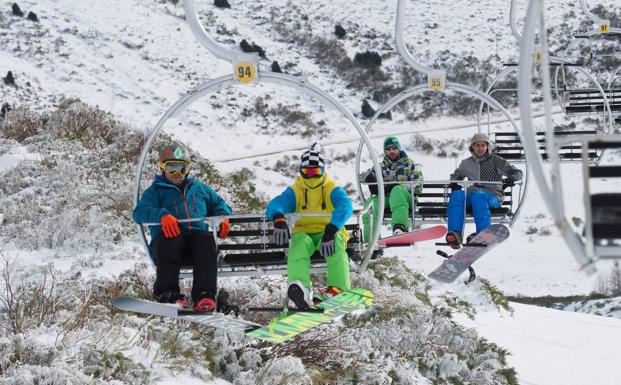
x: 480, y: 201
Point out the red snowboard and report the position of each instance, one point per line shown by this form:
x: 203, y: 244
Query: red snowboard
x: 412, y: 237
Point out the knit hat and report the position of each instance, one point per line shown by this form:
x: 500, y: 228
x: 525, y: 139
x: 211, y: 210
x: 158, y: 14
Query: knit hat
x: 392, y: 141
x: 478, y: 137
x: 481, y: 137
x: 312, y: 157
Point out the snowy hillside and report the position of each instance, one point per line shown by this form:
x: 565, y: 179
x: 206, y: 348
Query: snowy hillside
x: 91, y: 77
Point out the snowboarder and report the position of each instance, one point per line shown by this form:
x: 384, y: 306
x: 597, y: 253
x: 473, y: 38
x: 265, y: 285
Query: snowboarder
x: 313, y: 192
x: 174, y: 195
x: 397, y: 166
x: 481, y: 166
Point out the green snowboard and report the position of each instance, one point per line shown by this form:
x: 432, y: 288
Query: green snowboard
x: 283, y: 329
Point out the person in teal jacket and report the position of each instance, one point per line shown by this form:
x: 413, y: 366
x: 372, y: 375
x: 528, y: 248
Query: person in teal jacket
x: 172, y: 196
x: 313, y: 192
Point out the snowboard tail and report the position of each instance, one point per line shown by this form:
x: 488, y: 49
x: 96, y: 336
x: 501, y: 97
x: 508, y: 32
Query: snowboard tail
x: 282, y: 329
x: 453, y: 267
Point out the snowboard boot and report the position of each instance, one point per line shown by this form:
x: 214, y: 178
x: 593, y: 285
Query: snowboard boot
x: 470, y: 237
x: 172, y: 297
x: 453, y: 238
x: 299, y: 295
x: 399, y: 229
x: 204, y: 303
x: 321, y: 295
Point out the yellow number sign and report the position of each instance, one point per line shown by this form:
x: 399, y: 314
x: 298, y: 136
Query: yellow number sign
x: 537, y: 57
x: 436, y: 81
x: 604, y: 28
x: 245, y: 72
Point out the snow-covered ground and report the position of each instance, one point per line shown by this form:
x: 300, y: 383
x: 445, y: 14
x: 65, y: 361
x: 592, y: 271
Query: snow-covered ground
x: 554, y: 347
x: 136, y: 58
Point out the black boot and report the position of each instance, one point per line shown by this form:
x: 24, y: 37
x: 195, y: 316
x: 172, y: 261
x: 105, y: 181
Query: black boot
x: 470, y: 237
x: 399, y: 229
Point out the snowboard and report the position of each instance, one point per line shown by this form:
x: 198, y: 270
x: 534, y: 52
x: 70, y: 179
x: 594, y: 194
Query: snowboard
x: 216, y: 320
x: 413, y: 236
x: 282, y: 329
x: 452, y: 268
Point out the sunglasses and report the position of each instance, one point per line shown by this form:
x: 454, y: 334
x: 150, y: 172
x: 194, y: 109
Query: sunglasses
x: 175, y: 167
x: 389, y: 148
x: 311, y: 172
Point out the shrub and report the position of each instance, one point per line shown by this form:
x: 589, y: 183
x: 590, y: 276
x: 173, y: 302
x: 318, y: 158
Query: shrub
x: 368, y: 59
x: 221, y: 3
x: 339, y: 31
x: 16, y: 10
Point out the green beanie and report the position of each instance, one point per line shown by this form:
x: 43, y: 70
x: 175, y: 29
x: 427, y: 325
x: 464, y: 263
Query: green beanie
x: 392, y: 141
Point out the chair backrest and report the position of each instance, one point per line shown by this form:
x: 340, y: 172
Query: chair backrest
x: 591, y: 100
x: 433, y: 202
x: 509, y: 146
x: 249, y: 249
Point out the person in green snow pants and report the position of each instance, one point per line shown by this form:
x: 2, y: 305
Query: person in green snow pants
x: 313, y: 192
x: 396, y: 166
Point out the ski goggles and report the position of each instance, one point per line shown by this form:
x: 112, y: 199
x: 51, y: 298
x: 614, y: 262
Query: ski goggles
x: 176, y: 167
x: 311, y: 172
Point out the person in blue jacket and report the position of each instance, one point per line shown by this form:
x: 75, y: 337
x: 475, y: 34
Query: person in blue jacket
x: 313, y: 192
x: 172, y: 196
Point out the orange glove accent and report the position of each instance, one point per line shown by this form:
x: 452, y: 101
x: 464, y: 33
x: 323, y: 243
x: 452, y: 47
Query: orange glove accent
x: 170, y: 226
x: 225, y: 226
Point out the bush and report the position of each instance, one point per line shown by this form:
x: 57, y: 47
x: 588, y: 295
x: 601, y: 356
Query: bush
x: 221, y: 3
x: 339, y: 31
x: 21, y: 123
x: 368, y: 59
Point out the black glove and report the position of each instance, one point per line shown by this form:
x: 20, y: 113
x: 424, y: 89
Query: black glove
x: 372, y: 187
x: 455, y: 187
x: 508, y: 182
x: 326, y: 248
x: 281, y: 230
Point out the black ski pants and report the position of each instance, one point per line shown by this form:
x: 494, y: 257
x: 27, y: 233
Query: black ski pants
x: 196, y: 249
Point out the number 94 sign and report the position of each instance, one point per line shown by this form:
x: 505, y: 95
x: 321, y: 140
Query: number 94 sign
x: 245, y: 71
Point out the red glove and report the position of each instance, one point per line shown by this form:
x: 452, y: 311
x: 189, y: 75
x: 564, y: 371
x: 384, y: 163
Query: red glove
x: 225, y: 226
x: 170, y: 226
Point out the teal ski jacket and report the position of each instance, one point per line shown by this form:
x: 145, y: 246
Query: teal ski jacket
x: 193, y: 199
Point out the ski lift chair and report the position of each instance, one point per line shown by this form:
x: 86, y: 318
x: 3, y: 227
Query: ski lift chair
x: 432, y: 202
x: 603, y: 210
x: 602, y: 231
x: 249, y: 250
